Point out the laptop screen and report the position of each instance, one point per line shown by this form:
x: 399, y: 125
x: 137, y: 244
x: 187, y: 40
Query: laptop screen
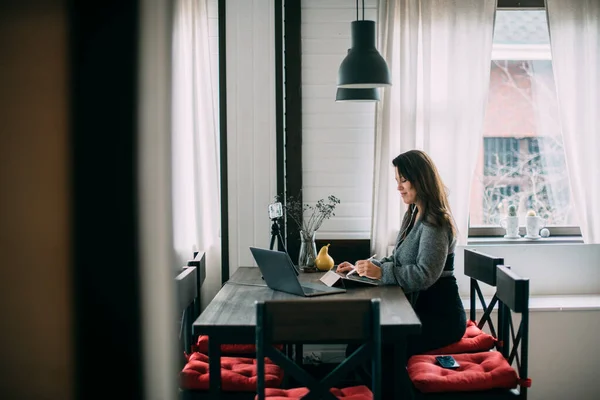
x: 277, y: 269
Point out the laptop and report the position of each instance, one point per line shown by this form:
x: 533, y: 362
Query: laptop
x: 280, y: 274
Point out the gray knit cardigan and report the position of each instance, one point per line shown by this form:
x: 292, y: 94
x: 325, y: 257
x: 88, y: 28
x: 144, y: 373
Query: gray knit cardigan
x: 418, y: 261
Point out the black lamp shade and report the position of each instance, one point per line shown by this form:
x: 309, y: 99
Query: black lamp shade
x: 363, y: 67
x: 357, y: 95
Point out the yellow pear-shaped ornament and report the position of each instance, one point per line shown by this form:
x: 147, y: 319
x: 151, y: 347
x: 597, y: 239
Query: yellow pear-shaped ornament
x: 324, y: 262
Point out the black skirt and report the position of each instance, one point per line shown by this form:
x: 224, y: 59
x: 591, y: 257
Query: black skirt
x: 442, y: 315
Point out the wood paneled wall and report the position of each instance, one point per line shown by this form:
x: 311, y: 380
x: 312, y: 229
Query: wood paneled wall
x: 337, y: 138
x: 250, y: 126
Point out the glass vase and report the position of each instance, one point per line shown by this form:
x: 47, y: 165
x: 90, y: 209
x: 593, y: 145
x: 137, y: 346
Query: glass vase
x: 308, y: 252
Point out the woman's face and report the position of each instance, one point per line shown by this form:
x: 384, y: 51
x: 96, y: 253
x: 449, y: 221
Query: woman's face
x: 406, y: 189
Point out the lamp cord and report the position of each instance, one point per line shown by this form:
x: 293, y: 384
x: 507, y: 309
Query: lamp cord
x: 363, y: 10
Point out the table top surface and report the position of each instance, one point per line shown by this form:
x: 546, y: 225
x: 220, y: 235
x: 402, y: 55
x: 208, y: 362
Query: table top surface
x: 233, y: 312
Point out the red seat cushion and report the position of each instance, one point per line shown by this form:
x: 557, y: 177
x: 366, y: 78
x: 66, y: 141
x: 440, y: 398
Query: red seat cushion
x: 477, y: 371
x: 202, y: 347
x: 237, y: 374
x: 473, y: 340
x: 349, y: 393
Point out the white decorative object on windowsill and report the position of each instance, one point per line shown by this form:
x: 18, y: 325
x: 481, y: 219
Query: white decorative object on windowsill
x: 511, y: 223
x: 545, y: 233
x: 533, y: 225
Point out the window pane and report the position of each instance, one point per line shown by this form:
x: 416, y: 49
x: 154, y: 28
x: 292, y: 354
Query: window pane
x: 522, y: 158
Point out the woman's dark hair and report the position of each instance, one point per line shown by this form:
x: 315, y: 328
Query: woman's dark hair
x: 418, y: 168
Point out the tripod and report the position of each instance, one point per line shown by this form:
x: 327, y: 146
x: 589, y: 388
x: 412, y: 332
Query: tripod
x: 276, y: 233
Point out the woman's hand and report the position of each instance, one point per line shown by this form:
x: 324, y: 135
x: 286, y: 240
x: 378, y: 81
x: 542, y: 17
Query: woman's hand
x: 368, y: 269
x: 344, y: 267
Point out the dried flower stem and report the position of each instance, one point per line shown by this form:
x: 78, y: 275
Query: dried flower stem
x: 310, y: 218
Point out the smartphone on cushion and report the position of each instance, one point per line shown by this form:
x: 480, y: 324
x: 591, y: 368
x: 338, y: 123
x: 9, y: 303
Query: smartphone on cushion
x: 447, y: 362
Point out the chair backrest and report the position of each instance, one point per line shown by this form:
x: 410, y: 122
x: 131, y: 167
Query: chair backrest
x: 186, y: 289
x: 481, y: 267
x: 513, y: 297
x: 324, y: 322
x: 199, y: 262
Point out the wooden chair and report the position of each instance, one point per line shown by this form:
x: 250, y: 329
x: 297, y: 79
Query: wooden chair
x: 199, y: 262
x: 238, y: 373
x: 513, y: 294
x: 186, y: 289
x: 201, y: 342
x: 489, y: 374
x: 481, y: 269
x: 319, y: 322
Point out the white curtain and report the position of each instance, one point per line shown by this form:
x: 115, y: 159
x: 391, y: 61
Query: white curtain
x: 457, y: 51
x: 196, y: 209
x: 439, y: 52
x: 396, y: 115
x: 575, y: 40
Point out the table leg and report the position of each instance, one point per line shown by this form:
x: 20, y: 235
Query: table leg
x: 403, y: 385
x: 299, y: 354
x: 214, y: 367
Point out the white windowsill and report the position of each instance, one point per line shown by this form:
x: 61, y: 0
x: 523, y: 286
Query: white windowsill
x: 502, y: 241
x: 590, y: 302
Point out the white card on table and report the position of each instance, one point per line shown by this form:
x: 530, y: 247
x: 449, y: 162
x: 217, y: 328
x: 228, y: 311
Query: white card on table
x: 330, y: 278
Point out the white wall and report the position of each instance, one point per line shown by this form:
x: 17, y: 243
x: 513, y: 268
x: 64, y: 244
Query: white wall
x: 250, y: 125
x: 337, y: 138
x: 553, y: 269
x: 564, y: 356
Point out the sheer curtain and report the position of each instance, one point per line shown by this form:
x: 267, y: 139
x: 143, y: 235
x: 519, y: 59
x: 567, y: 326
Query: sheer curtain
x: 575, y: 40
x: 396, y: 115
x: 457, y: 50
x: 439, y: 52
x: 196, y: 209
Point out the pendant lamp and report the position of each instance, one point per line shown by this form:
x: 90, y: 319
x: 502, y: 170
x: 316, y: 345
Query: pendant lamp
x: 357, y: 95
x: 363, y: 67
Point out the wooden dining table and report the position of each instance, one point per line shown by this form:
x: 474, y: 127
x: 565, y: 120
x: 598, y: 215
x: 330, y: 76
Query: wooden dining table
x: 231, y: 318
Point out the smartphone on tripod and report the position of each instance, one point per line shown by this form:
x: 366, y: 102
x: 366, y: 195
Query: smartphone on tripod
x: 276, y: 212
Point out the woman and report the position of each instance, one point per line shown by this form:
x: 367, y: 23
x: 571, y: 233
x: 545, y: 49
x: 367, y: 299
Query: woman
x: 422, y: 263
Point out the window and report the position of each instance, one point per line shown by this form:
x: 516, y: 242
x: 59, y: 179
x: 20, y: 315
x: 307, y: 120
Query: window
x: 522, y: 159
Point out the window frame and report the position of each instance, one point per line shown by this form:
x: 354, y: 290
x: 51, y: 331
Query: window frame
x: 497, y: 231
x: 520, y: 4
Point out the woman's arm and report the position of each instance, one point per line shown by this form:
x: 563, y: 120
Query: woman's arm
x: 431, y: 257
